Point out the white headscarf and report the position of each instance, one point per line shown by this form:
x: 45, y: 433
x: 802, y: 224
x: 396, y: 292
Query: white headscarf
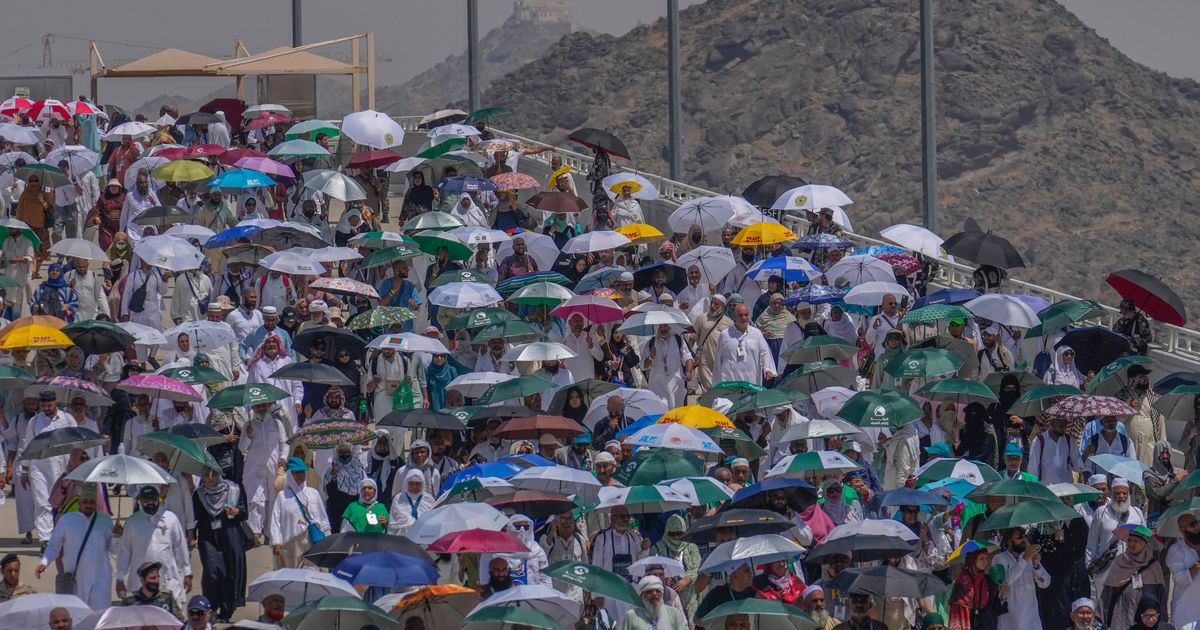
x: 343, y: 224
x: 1061, y: 373
x: 843, y: 329
x: 472, y: 214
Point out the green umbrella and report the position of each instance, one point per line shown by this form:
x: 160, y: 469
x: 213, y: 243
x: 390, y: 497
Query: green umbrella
x: 885, y: 410
x: 12, y: 376
x: 480, y: 317
x: 589, y: 389
x: 765, y: 400
x: 924, y: 363
x: 1114, y: 377
x: 462, y: 275
x: 1025, y: 380
x: 743, y: 444
x: 541, y: 294
x: 819, y: 348
x: 764, y: 614
x: 1067, y: 312
x: 958, y: 391
x: 978, y: 473
x: 430, y: 241
x: 337, y: 612
x: 935, y: 313
x: 1039, y: 399
x: 507, y: 617
x: 184, y: 454
x: 1179, y: 403
x: 297, y: 148
x: 246, y: 395
x: 595, y: 580
x: 195, y: 375
x: 518, y: 388
x: 7, y: 223
x: 309, y: 129
x: 432, y: 221
x: 381, y: 239
x: 1167, y: 525
x: 1027, y: 513
x: 516, y: 283
x: 97, y: 336
x: 51, y: 176
x: 451, y: 143
x: 389, y: 255
x: 380, y: 317
x: 1012, y: 488
x: 513, y: 332
x: 484, y: 113
x: 813, y: 377
x: 655, y: 466
x: 729, y: 389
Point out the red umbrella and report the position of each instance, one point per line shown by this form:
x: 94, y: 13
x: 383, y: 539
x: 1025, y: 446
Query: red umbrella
x: 172, y: 153
x: 49, y: 108
x: 81, y: 108
x: 267, y: 119
x: 14, y: 105
x: 532, y: 427
x: 1149, y: 294
x: 374, y: 158
x: 233, y: 109
x: 902, y: 264
x: 203, y: 150
x: 230, y: 158
x: 477, y: 541
x: 533, y: 503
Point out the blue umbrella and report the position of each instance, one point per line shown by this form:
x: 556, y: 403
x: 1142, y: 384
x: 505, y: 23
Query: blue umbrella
x: 599, y: 279
x: 800, y: 494
x: 531, y: 460
x: 822, y: 241
x: 814, y: 294
x: 956, y: 488
x: 638, y: 425
x: 1175, y: 379
x: 466, y: 183
x: 875, y: 250
x: 908, y: 496
x: 241, y: 178
x: 1127, y: 467
x: 946, y: 296
x: 232, y: 236
x: 499, y: 470
x: 387, y: 569
x: 791, y: 268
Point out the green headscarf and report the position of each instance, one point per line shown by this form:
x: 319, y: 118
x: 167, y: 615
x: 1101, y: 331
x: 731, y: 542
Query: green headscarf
x: 674, y: 546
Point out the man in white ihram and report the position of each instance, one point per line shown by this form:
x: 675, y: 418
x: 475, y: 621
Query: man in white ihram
x: 93, y: 584
x: 153, y: 534
x: 264, y: 445
x: 653, y: 614
x: 742, y: 352
x: 38, y: 475
x: 668, y: 365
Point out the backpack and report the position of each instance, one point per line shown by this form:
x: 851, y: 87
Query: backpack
x: 51, y: 304
x: 1094, y: 441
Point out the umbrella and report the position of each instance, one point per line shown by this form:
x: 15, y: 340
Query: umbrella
x: 460, y: 275
x: 562, y: 480
x: 312, y: 128
x: 1119, y: 375
x: 292, y: 263
x: 335, y: 339
x: 380, y: 317
x: 697, y: 417
x: 765, y: 190
x: 806, y: 464
x: 534, y: 504
x: 430, y: 241
x: 1179, y: 403
x: 336, y: 547
x: 298, y: 586
x: 916, y: 238
x: 189, y: 232
x: 330, y: 433
x: 924, y: 363
x: 745, y: 522
x: 600, y: 140
x: 702, y: 490
x: 241, y: 178
x: 890, y: 581
x: 1128, y: 467
x: 464, y: 295
x: 440, y: 606
x: 60, y: 441
x: 589, y: 389
x: 818, y: 428
x: 538, y: 351
x: 532, y: 427
x: 811, y: 197
x: 819, y: 348
x: 34, y: 336
x: 790, y: 268
x: 642, y: 499
x: 768, y: 399
x: 386, y: 569
x: 182, y: 171
x: 473, y: 235
x: 762, y: 614
x: 1095, y: 347
x: 940, y: 468
x: 337, y: 612
x: 763, y: 234
x: 752, y: 550
x: 455, y: 517
x: 409, y: 342
x: 1149, y: 294
x: 594, y: 580
x: 79, y: 158
x: 885, y: 409
x: 334, y: 183
x: 489, y: 470
x: 1012, y: 488
x: 373, y: 129
x: 67, y: 388
x: 168, y: 252
x: 562, y: 610
x: 199, y: 433
x: 984, y: 248
x: 466, y: 183
x: 908, y: 496
x: 1089, y: 406
x: 1027, y: 513
x: 872, y: 293
x: 947, y: 296
x: 19, y: 135
x: 799, y: 494
x: 1168, y: 522
x: 79, y: 248
x: 159, y: 386
x: 183, y: 455
x: 958, y: 391
x: 596, y: 241
x: 32, y: 611
x: 540, y: 246
x: 866, y: 540
x: 265, y: 165
x: 246, y: 395
x: 291, y: 235
x: 857, y: 270
x: 812, y: 377
x: 14, y: 105
x: 14, y: 377
x: 421, y: 419
x: 594, y: 309
x: 674, y: 436
x: 1037, y: 400
x: 121, y: 469
x: 1067, y: 312
x: 475, y: 384
x: 309, y: 372
x: 205, y: 335
x: 1003, y: 309
x: 97, y: 336
x: 373, y: 159
x: 130, y: 618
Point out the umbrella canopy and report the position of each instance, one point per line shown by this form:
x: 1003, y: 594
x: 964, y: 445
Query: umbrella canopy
x: 916, y: 238
x: 455, y: 517
x: 675, y: 436
x: 1003, y: 309
x: 600, y: 140
x: 908, y: 496
x: 198, y: 432
x: 298, y: 586
x: 129, y: 618
x: 551, y: 603
x: 813, y: 462
x: 889, y: 581
x: 67, y: 388
x: 241, y: 178
x: 1179, y: 403
x: 122, y: 469
x: 205, y: 335
x: 159, y: 386
x: 642, y: 499
x: 1088, y: 406
x: 538, y: 351
x: 478, y: 541
x: 329, y: 433
x: 819, y: 348
x: 1037, y: 400
x: 762, y: 615
x: 34, y: 336
x: 309, y: 372
x: 1168, y: 521
x: 886, y: 409
x: 380, y: 317
x: 864, y: 544
x: 753, y: 550
x: 532, y: 427
x: 439, y: 606
x: 60, y: 442
x: 935, y: 313
x: 246, y: 395
x: 858, y: 270
x: 1012, y: 488
x: 763, y: 233
x: 944, y: 467
x: 1028, y: 513
x: 422, y: 419
x: 79, y: 248
x: 811, y: 197
x: 1149, y: 294
x: 292, y: 263
x: 764, y: 191
x: 799, y: 494
x: 386, y: 569
x: 335, y: 339
x: 475, y: 384
x: 1128, y: 467
x: 333, y: 183
x: 542, y: 293
x: 984, y: 248
x: 958, y: 391
x: 464, y: 295
x: 168, y: 252
x: 746, y: 522
x: 594, y: 580
x: 696, y: 417
x: 1067, y: 312
x: 818, y: 428
x: 872, y: 293
x: 562, y: 480
x: 593, y: 308
x: 183, y: 455
x: 97, y: 337
x: 373, y: 129
x: 658, y: 465
x: 338, y: 612
x: 596, y: 241
x: 334, y: 548
x: 925, y: 363
x: 1119, y: 375
x: 32, y: 611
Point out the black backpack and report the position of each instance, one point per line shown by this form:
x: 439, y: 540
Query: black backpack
x: 51, y: 304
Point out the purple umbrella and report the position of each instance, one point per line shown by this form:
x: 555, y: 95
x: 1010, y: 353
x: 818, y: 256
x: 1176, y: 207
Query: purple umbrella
x: 265, y: 165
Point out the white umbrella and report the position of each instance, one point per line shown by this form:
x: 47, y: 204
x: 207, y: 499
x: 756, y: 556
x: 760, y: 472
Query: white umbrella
x: 690, y: 487
x: 373, y: 129
x: 540, y: 246
x: 562, y: 609
x: 811, y: 197
x: 334, y: 254
x: 455, y: 517
x: 714, y: 262
x: 830, y: 400
x: 32, y: 611
x: 464, y: 295
x: 204, y: 334
x: 642, y: 499
x: 149, y: 163
x: 597, y: 241
x: 473, y: 235
x: 143, y: 335
x: 638, y: 403
x: 298, y: 586
x: 710, y: 213
x: 132, y: 129
x: 916, y: 238
x: 190, y: 231
x: 841, y: 218
x: 747, y: 219
x: 14, y: 224
x: 78, y: 157
x: 291, y: 262
x: 405, y: 165
x: 266, y: 107
x: 561, y: 479
x: 859, y: 269
x: 17, y: 134
x: 9, y: 160
x: 166, y: 120
x: 872, y: 527
x: 335, y: 184
x: 754, y: 550
x: 409, y: 342
x: 453, y: 129
x: 871, y: 293
x: 645, y: 324
x: 168, y: 252
x: 642, y: 188
x: 440, y: 114
x: 818, y: 428
x: 129, y: 618
x: 672, y: 568
x: 538, y: 351
x: 79, y: 248
x: 675, y: 436
x: 1003, y: 309
x: 475, y: 384
x: 122, y: 469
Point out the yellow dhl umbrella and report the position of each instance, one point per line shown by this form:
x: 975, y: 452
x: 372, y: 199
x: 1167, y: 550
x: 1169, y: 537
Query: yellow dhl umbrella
x: 35, y: 336
x: 641, y: 233
x: 696, y: 417
x: 41, y: 320
x: 763, y: 234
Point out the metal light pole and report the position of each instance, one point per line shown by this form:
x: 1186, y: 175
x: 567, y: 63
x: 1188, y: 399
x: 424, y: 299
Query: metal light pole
x: 674, y: 107
x: 296, y: 30
x: 473, y: 53
x: 928, y: 109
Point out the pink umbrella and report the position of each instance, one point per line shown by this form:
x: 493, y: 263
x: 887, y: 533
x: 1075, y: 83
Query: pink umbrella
x: 172, y: 153
x: 204, y: 150
x: 345, y: 286
x: 130, y: 618
x: 478, y: 541
x: 159, y: 386
x: 1086, y: 406
x: 267, y: 119
x: 594, y: 308
x: 265, y: 165
x: 902, y: 264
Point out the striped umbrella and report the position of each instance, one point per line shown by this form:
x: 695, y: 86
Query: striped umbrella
x: 514, y: 284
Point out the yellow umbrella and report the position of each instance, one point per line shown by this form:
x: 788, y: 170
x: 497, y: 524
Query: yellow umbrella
x: 182, y: 171
x: 696, y: 417
x: 41, y: 320
x: 763, y: 234
x: 641, y: 233
x: 35, y: 336
x: 562, y: 170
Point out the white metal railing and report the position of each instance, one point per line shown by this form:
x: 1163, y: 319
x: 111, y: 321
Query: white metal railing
x: 1183, y: 343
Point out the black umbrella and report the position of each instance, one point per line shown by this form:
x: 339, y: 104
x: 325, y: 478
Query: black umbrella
x: 862, y: 548
x: 60, y: 442
x: 588, y: 388
x: 164, y: 216
x: 95, y: 336
x: 421, y: 419
x: 603, y: 140
x: 676, y: 276
x: 335, y: 339
x: 533, y: 503
x: 1095, y: 347
x: 888, y: 581
x: 199, y: 432
x: 500, y: 412
x: 1149, y: 294
x: 1175, y: 379
x: 309, y: 372
x: 197, y: 118
x: 336, y: 547
x: 765, y: 190
x: 799, y: 493
x: 984, y: 248
x: 744, y: 522
x: 557, y: 201
x: 283, y: 237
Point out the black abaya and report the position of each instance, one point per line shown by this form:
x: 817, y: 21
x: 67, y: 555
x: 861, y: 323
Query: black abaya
x: 221, y: 545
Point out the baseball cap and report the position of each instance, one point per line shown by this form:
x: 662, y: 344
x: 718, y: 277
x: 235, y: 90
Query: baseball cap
x: 1013, y: 449
x: 147, y: 567
x: 148, y: 492
x: 940, y: 449
x: 199, y: 602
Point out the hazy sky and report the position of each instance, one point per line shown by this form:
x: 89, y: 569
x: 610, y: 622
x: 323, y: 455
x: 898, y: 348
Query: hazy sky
x: 416, y: 34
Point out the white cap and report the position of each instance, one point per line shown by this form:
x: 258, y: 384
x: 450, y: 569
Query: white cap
x: 318, y: 306
x: 649, y: 583
x: 270, y: 310
x: 721, y: 297
x: 1083, y: 602
x: 604, y: 457
x: 626, y: 276
x: 1119, y: 482
x: 1097, y: 478
x: 812, y: 588
x: 992, y: 330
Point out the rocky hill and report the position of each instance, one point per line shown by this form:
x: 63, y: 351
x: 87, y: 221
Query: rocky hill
x: 1046, y: 133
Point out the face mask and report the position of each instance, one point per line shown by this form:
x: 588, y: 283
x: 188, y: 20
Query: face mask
x: 273, y: 615
x: 494, y: 441
x: 151, y: 588
x: 1193, y: 538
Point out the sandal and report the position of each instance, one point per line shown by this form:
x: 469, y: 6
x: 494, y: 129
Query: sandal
x: 27, y: 540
